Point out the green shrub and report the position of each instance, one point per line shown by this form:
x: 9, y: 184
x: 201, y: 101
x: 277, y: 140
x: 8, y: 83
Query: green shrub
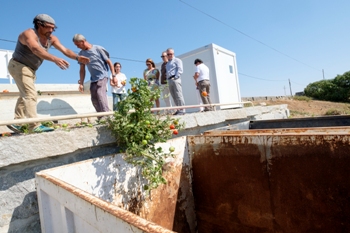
x: 137, y: 130
x: 337, y: 89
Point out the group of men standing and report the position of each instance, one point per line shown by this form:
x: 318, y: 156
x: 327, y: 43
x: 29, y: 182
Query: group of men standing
x: 171, y: 72
x: 32, y: 49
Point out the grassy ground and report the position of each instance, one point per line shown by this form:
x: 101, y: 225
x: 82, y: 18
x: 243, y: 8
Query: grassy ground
x: 306, y: 107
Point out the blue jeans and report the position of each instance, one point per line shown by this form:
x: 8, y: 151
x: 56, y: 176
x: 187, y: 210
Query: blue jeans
x: 116, y: 98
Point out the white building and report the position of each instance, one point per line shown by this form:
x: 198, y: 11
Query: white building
x: 5, y: 56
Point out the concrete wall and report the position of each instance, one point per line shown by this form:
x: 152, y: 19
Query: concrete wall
x: 53, y: 100
x: 22, y: 156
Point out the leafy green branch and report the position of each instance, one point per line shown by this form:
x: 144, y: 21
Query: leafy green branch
x: 137, y: 130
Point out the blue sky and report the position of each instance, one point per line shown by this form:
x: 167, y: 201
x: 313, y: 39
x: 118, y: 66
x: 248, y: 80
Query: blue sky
x: 274, y: 40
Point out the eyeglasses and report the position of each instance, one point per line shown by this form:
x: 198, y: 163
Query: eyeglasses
x: 148, y: 64
x: 169, y: 54
x: 162, y: 56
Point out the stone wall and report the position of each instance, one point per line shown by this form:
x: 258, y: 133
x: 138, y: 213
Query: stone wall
x: 24, y: 155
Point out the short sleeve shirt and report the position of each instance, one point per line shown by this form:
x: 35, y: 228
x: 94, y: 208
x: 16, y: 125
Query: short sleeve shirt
x: 97, y: 66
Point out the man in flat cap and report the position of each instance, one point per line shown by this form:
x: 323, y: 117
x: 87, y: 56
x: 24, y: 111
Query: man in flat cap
x: 31, y: 50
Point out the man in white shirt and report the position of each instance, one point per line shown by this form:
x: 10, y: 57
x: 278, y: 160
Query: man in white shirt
x: 201, y: 77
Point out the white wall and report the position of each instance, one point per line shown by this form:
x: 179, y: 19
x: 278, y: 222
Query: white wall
x: 227, y: 82
x: 55, y: 100
x: 5, y: 56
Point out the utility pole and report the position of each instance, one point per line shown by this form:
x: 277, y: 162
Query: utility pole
x: 323, y: 73
x: 290, y: 87
x: 284, y: 87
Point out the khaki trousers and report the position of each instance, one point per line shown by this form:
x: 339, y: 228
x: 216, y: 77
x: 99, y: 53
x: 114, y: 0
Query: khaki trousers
x: 27, y: 101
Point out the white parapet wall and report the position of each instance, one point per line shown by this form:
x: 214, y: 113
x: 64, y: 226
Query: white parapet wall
x: 99, y: 195
x: 53, y: 100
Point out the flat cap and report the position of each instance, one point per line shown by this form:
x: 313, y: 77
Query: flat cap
x: 46, y: 18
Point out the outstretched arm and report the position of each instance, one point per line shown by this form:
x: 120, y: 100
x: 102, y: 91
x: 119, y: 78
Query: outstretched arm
x: 30, y: 39
x: 69, y: 53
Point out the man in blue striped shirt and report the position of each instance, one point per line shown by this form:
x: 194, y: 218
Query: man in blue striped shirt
x: 174, y: 70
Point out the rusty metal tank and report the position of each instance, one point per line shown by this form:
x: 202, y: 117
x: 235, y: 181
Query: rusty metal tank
x: 272, y: 180
x: 259, y: 180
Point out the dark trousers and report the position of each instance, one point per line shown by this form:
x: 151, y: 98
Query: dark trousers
x: 98, y: 92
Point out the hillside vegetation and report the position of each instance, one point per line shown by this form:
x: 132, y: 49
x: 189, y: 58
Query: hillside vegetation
x: 307, y: 107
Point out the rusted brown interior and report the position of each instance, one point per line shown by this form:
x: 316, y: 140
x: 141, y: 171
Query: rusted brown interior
x: 271, y: 182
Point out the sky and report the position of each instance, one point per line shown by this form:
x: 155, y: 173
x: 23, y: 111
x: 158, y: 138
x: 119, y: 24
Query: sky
x: 301, y: 41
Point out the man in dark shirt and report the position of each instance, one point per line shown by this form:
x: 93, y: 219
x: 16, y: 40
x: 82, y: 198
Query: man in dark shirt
x: 163, y: 81
x: 31, y: 50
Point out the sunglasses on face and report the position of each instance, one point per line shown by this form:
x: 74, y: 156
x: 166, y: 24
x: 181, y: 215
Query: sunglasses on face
x: 148, y: 64
x: 169, y: 54
x: 162, y: 56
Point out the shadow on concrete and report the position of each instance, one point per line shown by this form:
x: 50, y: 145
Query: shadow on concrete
x: 57, y: 107
x: 22, y: 212
x: 119, y: 183
x: 25, y: 215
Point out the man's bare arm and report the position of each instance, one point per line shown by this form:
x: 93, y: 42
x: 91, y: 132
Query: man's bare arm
x: 30, y: 39
x: 196, y: 75
x: 69, y: 53
x: 109, y: 62
x: 82, y: 77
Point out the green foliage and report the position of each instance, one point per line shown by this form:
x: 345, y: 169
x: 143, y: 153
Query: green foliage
x: 327, y: 90
x: 137, y: 130
x: 337, y: 89
x: 343, y: 80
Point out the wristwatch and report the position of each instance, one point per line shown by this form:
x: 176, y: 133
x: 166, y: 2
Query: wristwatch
x: 114, y: 75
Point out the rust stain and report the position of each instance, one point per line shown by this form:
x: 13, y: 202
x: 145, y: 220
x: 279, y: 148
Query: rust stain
x: 301, y: 185
x: 283, y: 131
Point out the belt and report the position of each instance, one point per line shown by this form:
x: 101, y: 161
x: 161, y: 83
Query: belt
x: 173, y: 77
x: 203, y: 80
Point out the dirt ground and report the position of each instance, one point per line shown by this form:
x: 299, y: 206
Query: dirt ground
x: 309, y: 108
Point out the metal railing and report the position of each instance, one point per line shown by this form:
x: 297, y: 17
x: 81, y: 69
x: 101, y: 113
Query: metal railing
x: 100, y: 114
